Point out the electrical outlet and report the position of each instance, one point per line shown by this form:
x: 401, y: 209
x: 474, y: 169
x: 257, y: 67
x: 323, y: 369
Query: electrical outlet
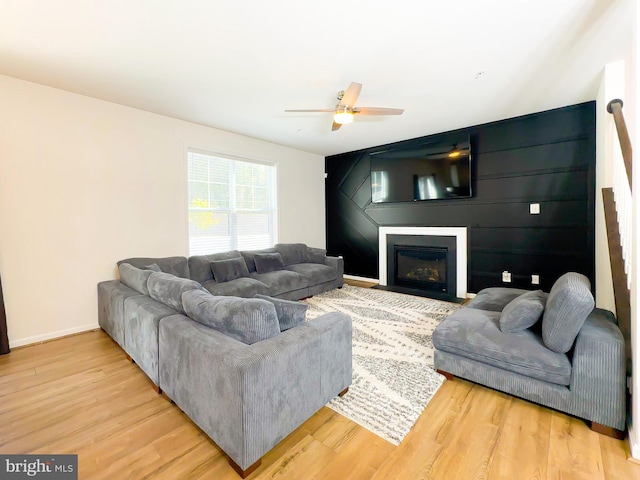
x: 535, y: 279
x: 534, y: 208
x: 506, y: 277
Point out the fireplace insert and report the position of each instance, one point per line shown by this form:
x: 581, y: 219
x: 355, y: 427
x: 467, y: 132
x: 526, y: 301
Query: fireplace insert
x: 420, y: 267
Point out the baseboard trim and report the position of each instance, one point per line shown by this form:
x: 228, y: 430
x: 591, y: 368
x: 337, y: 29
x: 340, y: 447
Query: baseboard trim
x: 23, y: 342
x: 361, y: 279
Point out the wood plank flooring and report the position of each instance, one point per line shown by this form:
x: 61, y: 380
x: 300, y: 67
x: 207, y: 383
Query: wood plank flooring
x: 360, y: 283
x: 81, y: 395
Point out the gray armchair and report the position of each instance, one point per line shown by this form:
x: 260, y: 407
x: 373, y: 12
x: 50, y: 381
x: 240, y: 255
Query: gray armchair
x: 570, y: 358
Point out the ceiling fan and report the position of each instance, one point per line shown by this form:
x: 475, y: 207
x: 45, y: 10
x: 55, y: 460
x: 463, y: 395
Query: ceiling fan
x: 345, y: 110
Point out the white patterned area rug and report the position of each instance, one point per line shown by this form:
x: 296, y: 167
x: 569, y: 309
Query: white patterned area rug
x: 393, y: 375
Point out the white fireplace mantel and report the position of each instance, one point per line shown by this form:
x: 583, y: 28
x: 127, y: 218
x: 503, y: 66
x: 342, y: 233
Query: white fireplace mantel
x: 460, y: 233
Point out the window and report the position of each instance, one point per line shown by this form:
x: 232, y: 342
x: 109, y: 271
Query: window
x: 232, y: 204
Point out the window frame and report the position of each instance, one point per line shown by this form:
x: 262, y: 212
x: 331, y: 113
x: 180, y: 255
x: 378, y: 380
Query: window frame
x: 275, y: 220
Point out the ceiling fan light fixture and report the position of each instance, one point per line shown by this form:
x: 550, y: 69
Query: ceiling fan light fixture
x: 454, y: 153
x: 343, y: 115
x: 345, y: 110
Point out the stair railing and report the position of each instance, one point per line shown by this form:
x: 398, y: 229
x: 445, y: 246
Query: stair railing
x: 618, y: 217
x: 614, y: 107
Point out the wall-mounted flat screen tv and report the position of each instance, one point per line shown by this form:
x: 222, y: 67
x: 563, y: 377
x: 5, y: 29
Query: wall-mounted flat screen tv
x: 433, y: 171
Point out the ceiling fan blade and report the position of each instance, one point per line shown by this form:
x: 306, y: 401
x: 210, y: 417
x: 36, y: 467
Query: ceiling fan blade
x: 313, y: 110
x: 378, y: 111
x: 335, y: 126
x: 351, y: 94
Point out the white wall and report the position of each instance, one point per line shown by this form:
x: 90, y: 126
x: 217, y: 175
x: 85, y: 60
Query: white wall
x: 84, y: 183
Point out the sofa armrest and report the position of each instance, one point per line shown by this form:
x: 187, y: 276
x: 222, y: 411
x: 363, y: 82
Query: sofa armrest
x: 111, y: 297
x: 336, y: 263
x: 248, y: 397
x: 494, y: 299
x: 598, y: 373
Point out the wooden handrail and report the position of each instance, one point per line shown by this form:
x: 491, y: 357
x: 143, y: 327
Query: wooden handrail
x: 614, y: 107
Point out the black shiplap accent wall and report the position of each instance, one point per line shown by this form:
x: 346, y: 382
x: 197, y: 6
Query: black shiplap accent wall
x: 547, y: 158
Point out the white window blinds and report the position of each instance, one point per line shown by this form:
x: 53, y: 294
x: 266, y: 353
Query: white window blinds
x: 231, y: 203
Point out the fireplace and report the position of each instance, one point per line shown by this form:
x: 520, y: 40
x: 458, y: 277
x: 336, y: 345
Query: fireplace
x: 428, y: 261
x: 424, y: 268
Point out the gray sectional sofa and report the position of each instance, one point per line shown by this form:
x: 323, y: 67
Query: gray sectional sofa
x: 245, y: 366
x: 553, y: 349
x: 291, y: 271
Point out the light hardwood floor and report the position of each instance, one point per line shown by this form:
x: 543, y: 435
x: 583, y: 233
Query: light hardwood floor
x: 360, y: 283
x: 81, y: 395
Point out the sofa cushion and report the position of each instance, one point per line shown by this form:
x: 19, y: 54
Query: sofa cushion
x: 476, y: 334
x: 135, y: 278
x: 494, y: 298
x: 523, y: 311
x: 200, y: 265
x: 248, y: 320
x: 314, y: 272
x: 282, y: 281
x: 249, y: 255
x: 316, y: 255
x: 178, y: 266
x: 570, y: 301
x: 240, y: 287
x: 168, y: 289
x: 292, y: 252
x: 229, y: 269
x: 153, y: 267
x: 289, y: 313
x: 268, y: 262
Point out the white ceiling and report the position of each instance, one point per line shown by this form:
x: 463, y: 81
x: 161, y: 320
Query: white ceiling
x: 236, y: 65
